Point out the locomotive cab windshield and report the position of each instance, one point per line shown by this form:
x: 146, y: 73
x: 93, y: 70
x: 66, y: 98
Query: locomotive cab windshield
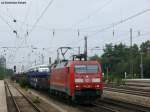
x: 86, y: 69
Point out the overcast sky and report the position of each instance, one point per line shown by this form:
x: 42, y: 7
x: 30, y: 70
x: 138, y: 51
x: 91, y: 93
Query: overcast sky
x: 60, y: 24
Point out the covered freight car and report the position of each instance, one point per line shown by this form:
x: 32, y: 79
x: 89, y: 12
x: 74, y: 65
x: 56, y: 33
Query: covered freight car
x: 38, y: 76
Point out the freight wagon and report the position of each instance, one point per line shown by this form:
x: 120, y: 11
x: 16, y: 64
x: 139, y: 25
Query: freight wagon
x: 38, y: 76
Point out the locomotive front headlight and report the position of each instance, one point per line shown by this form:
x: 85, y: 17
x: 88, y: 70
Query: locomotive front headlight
x: 77, y: 86
x: 79, y: 80
x: 97, y: 86
x: 96, y: 80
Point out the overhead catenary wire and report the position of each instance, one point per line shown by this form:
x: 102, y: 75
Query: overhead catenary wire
x: 10, y: 26
x: 1, y: 17
x: 13, y: 20
x: 70, y: 29
x: 96, y: 31
x: 113, y: 25
x: 124, y: 39
x: 121, y: 21
x: 93, y: 13
x: 34, y: 25
x: 56, y: 29
x: 26, y: 15
x: 38, y: 19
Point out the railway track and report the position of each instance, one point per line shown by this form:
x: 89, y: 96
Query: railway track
x: 128, y: 87
x: 96, y: 108
x: 138, y: 92
x: 104, y: 108
x: 104, y: 105
x: 123, y: 106
x: 136, y: 88
x: 110, y: 105
x: 20, y: 101
x: 107, y: 105
x: 83, y: 107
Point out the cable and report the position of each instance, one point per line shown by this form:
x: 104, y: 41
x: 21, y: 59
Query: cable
x: 26, y: 16
x: 117, y: 23
x: 94, y: 12
x: 6, y: 22
x: 121, y: 21
x: 34, y: 25
x: 40, y: 17
x: 147, y: 33
x: 10, y: 27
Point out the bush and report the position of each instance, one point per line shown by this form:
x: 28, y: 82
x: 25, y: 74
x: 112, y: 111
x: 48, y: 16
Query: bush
x: 1, y: 77
x: 23, y: 83
x: 113, y: 79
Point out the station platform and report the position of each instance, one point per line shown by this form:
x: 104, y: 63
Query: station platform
x: 138, y: 82
x: 3, y: 102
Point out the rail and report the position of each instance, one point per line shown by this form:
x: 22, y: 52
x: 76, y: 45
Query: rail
x: 128, y: 91
x: 25, y: 97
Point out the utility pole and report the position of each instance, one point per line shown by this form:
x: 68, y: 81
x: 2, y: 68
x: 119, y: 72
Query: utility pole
x: 107, y: 73
x: 85, y: 49
x: 35, y: 62
x: 131, y: 37
x: 131, y: 61
x: 79, y: 50
x: 50, y: 60
x: 141, y: 65
x: 57, y: 56
x: 42, y: 56
x: 22, y: 68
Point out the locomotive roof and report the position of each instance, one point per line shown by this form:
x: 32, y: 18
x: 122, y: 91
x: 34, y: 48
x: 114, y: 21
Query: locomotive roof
x: 82, y: 62
x: 68, y: 63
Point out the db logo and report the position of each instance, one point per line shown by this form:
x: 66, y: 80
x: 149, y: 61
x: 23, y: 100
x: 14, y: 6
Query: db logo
x: 87, y: 80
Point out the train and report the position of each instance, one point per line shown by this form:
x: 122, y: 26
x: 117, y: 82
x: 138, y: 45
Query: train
x: 77, y: 79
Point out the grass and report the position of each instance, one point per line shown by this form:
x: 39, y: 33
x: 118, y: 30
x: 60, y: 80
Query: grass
x: 23, y: 83
x: 36, y: 99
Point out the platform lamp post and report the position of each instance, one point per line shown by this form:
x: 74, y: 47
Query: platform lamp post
x: 141, y: 65
x: 107, y: 69
x: 96, y: 48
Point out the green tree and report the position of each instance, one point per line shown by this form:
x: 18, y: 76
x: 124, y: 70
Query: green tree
x: 145, y: 49
x: 119, y: 57
x: 96, y: 57
x: 5, y: 72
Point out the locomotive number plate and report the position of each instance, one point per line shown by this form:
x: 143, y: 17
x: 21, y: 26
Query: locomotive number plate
x: 87, y: 80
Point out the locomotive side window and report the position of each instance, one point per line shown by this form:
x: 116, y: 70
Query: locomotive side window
x: 86, y: 68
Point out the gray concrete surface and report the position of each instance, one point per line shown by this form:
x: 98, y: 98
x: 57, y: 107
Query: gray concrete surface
x: 3, y: 103
x: 140, y: 100
x: 138, y: 82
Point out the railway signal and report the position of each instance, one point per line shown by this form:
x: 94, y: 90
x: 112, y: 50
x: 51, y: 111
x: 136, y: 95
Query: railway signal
x: 15, y: 68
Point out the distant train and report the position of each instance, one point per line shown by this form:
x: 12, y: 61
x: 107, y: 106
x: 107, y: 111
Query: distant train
x: 18, y: 77
x: 38, y: 76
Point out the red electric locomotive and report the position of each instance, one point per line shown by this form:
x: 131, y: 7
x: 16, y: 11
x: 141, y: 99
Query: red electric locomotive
x: 80, y: 80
